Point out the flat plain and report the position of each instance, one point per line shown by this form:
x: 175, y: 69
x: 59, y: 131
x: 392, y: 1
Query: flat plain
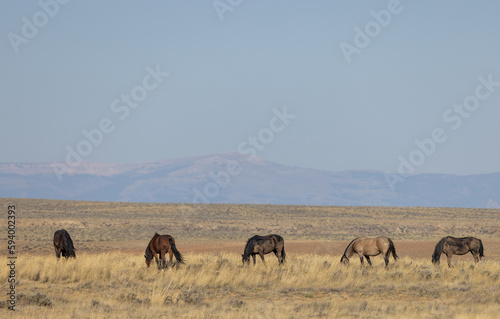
x: 109, y: 277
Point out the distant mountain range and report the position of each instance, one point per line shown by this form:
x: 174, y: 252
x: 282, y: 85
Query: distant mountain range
x: 235, y: 178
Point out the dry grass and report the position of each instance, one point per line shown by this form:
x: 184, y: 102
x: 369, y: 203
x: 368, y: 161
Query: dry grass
x: 109, y: 278
x: 218, y: 286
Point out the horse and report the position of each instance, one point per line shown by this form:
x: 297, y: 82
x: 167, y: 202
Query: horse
x: 458, y: 246
x: 364, y: 246
x: 63, y: 244
x: 162, y: 244
x: 264, y: 245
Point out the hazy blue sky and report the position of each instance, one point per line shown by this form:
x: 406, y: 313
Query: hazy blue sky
x: 359, y: 82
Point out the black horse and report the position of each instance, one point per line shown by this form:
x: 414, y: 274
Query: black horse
x: 458, y: 246
x: 264, y: 245
x: 63, y: 244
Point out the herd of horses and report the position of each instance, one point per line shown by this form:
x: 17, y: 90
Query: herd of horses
x: 161, y: 245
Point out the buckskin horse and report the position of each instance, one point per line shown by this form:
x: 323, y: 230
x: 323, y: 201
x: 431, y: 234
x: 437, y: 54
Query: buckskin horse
x: 264, y: 245
x: 366, y: 247
x: 162, y: 244
x: 458, y: 246
x: 63, y: 244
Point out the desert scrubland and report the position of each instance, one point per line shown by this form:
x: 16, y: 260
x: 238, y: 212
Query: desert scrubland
x: 109, y: 278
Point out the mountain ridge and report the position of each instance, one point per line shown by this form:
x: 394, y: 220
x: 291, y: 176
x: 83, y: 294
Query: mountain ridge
x: 239, y: 179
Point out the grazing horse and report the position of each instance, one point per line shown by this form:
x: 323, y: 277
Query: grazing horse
x: 364, y: 246
x: 63, y: 244
x: 264, y: 245
x: 161, y: 244
x: 458, y: 246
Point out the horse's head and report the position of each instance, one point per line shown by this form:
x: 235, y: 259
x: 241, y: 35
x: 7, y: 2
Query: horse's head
x: 148, y: 257
x: 437, y: 253
x: 344, y: 260
x: 435, y: 259
x: 71, y: 253
x: 245, y: 259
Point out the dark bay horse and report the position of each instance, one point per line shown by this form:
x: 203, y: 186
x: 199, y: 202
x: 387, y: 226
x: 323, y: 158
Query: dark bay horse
x: 63, y: 244
x: 458, y: 246
x: 364, y: 246
x: 264, y: 245
x: 162, y: 244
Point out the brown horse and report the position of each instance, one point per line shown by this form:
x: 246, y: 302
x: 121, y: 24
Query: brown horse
x: 264, y: 245
x: 458, y: 246
x: 161, y: 244
x: 63, y: 245
x: 364, y: 246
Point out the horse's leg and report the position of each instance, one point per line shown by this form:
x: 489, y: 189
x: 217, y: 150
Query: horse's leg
x: 449, y: 259
x: 361, y: 258
x: 386, y: 259
x: 261, y: 254
x: 171, y: 255
x: 160, y: 260
x: 253, y: 257
x: 278, y: 255
x: 368, y: 260
x: 164, y: 260
x: 475, y: 255
x: 156, y: 260
x: 58, y: 253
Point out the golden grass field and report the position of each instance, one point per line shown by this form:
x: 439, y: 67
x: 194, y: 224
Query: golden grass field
x: 109, y: 279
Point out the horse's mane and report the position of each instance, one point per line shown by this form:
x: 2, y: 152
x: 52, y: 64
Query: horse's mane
x: 251, y: 243
x: 256, y: 238
x: 439, y: 249
x: 345, y: 251
x: 149, y: 253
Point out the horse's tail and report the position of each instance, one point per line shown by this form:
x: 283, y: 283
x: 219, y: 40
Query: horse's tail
x: 392, y: 249
x: 177, y: 254
x: 283, y: 254
x: 437, y: 251
x: 481, y: 249
x: 278, y: 239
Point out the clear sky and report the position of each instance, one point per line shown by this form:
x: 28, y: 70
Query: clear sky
x: 395, y: 86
